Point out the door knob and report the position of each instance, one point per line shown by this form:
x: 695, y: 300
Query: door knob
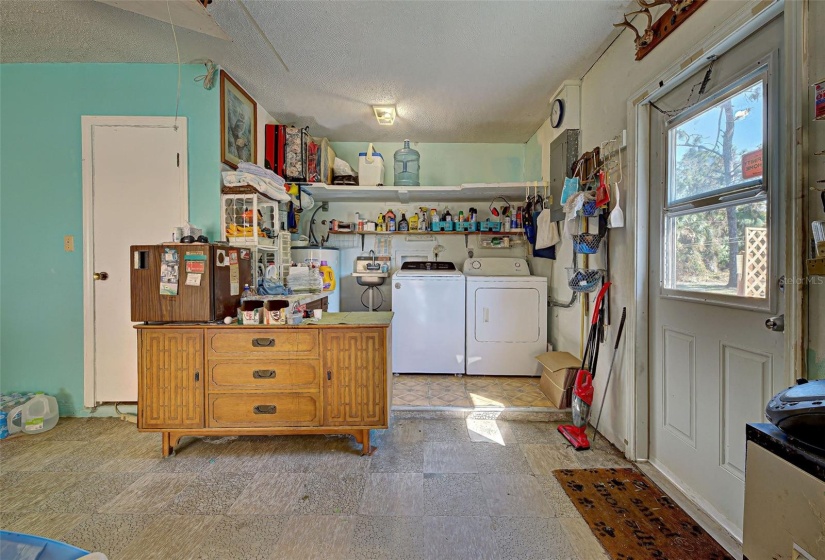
x: 101, y: 276
x: 776, y: 324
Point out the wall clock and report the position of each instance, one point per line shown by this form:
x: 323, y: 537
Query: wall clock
x: 557, y: 113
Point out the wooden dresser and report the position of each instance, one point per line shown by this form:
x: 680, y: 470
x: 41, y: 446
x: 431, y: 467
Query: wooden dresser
x: 210, y: 380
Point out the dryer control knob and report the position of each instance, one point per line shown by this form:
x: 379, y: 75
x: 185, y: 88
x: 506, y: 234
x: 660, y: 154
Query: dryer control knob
x: 398, y: 285
x: 476, y: 265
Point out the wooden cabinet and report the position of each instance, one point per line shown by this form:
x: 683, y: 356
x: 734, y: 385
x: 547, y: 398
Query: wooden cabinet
x: 354, y: 385
x: 233, y: 380
x: 170, y: 383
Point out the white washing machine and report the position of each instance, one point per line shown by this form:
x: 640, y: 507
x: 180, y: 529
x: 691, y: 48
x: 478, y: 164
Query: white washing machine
x: 428, y: 325
x: 506, y: 317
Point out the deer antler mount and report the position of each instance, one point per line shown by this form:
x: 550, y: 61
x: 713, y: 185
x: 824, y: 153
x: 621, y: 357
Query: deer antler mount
x: 655, y: 32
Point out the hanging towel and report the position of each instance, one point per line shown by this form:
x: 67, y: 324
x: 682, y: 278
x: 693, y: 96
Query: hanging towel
x: 547, y: 232
x: 261, y: 184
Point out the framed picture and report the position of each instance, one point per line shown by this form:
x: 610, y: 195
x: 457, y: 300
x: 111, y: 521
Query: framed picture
x: 239, y: 116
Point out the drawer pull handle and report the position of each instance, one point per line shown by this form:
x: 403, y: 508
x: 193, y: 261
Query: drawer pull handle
x: 264, y: 374
x: 263, y: 342
x: 265, y: 409
x: 329, y: 375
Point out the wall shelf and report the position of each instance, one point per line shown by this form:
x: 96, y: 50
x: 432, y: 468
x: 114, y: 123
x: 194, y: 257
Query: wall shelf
x: 404, y: 195
x: 466, y: 234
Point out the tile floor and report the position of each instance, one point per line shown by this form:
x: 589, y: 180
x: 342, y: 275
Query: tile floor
x: 468, y: 391
x: 440, y: 486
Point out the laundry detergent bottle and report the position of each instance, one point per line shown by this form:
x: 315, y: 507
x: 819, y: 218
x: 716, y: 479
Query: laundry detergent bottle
x: 328, y: 275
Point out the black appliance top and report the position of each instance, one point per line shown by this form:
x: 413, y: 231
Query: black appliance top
x: 428, y: 265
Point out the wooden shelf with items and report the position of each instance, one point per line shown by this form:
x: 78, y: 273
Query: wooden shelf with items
x: 466, y: 234
x: 453, y: 193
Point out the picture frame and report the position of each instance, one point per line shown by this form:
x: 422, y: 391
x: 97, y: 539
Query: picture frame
x: 239, y: 124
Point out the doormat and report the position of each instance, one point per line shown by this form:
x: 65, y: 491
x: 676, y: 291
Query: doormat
x: 633, y: 519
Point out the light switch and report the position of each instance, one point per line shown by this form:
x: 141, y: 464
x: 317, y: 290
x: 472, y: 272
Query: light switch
x: 68, y: 243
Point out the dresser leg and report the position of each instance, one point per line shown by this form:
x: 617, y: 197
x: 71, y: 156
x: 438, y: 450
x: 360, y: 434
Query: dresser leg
x: 365, y: 443
x: 166, y: 447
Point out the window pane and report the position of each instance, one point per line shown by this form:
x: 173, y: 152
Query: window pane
x: 720, y: 147
x: 721, y: 251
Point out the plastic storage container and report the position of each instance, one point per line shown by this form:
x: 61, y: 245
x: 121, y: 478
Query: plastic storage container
x: 370, y: 168
x: 14, y: 546
x: 37, y: 414
x: 407, y: 165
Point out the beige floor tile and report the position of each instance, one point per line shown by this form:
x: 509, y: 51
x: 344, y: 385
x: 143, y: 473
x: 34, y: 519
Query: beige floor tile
x: 483, y: 430
x: 269, y: 494
x: 45, y: 524
x: 581, y: 538
x: 30, y: 491
x: 148, y: 494
x: 459, y: 538
x: 316, y: 537
x: 33, y: 455
x: 451, y: 400
x: 544, y: 459
x: 393, y: 494
x: 449, y: 457
x: 518, y: 495
x: 171, y: 536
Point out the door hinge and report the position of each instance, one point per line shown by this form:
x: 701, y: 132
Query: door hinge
x: 178, y: 159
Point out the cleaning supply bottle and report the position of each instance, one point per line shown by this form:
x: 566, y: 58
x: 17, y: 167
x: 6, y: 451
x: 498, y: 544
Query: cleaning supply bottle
x: 407, y: 164
x: 379, y: 223
x: 447, y: 217
x: 328, y: 275
x: 461, y: 215
x: 389, y: 217
x: 414, y: 221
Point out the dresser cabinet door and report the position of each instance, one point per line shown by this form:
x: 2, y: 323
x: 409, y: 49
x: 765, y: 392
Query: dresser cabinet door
x: 354, y: 377
x: 170, y: 384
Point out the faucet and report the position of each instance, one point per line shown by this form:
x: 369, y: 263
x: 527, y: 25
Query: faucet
x: 374, y: 265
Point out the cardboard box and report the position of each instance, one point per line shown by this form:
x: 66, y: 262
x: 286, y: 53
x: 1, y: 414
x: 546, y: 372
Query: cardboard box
x: 275, y: 311
x: 250, y: 312
x: 559, y: 374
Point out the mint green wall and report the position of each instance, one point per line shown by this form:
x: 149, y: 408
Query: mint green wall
x: 448, y: 164
x: 532, y: 159
x: 41, y: 286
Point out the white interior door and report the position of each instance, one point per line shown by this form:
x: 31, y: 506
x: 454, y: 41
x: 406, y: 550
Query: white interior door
x: 717, y: 212
x: 135, y: 191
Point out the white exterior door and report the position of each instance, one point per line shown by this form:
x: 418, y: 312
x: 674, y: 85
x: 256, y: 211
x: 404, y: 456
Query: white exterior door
x: 716, y: 243
x: 135, y: 191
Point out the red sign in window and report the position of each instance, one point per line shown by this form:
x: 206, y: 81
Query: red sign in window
x: 752, y: 164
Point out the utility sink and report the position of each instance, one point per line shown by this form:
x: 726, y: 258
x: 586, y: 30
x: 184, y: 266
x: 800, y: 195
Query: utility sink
x: 367, y: 270
x: 371, y: 278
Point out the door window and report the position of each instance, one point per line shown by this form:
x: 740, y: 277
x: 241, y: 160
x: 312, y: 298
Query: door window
x: 716, y: 215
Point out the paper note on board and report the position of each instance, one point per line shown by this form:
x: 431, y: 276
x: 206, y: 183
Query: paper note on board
x: 169, y: 272
x: 234, y: 273
x: 193, y: 279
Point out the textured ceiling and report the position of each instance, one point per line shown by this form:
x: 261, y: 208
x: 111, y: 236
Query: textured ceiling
x: 458, y: 71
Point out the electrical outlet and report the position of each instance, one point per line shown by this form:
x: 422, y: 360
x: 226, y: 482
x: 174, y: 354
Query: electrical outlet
x: 68, y: 243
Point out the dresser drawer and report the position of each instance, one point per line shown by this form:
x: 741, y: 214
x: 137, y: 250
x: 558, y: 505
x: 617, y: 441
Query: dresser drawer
x: 263, y: 409
x: 264, y: 374
x: 260, y: 342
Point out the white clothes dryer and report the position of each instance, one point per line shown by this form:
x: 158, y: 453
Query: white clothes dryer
x: 506, y: 317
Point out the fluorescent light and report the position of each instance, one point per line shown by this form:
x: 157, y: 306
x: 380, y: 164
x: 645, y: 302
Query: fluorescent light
x: 384, y: 113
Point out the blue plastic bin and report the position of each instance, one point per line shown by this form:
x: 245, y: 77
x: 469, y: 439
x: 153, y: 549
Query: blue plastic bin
x: 19, y: 546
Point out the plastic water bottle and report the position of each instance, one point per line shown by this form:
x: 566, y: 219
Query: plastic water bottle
x: 246, y: 291
x: 407, y: 164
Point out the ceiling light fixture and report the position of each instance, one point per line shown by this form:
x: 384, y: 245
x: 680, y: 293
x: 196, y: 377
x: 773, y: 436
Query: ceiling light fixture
x: 384, y: 113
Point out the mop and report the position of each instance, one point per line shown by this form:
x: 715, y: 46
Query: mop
x: 583, y: 388
x: 610, y: 371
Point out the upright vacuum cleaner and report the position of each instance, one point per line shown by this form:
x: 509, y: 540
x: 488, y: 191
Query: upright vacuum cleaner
x: 576, y: 433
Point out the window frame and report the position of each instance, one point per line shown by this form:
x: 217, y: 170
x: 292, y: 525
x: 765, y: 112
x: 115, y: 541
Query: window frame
x: 754, y: 190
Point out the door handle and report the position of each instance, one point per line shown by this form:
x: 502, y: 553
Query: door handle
x: 102, y: 276
x: 265, y: 409
x: 776, y: 324
x: 263, y: 374
x: 263, y: 342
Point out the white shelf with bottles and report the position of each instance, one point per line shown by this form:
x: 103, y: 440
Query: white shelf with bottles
x: 456, y: 193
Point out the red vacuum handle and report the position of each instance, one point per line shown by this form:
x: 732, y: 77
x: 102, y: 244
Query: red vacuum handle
x: 598, y: 304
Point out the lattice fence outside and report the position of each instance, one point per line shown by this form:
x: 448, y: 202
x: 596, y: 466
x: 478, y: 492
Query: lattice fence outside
x: 756, y: 262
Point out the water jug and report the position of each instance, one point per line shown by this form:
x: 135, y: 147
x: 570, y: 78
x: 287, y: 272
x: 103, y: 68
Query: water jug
x: 36, y: 415
x: 407, y: 164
